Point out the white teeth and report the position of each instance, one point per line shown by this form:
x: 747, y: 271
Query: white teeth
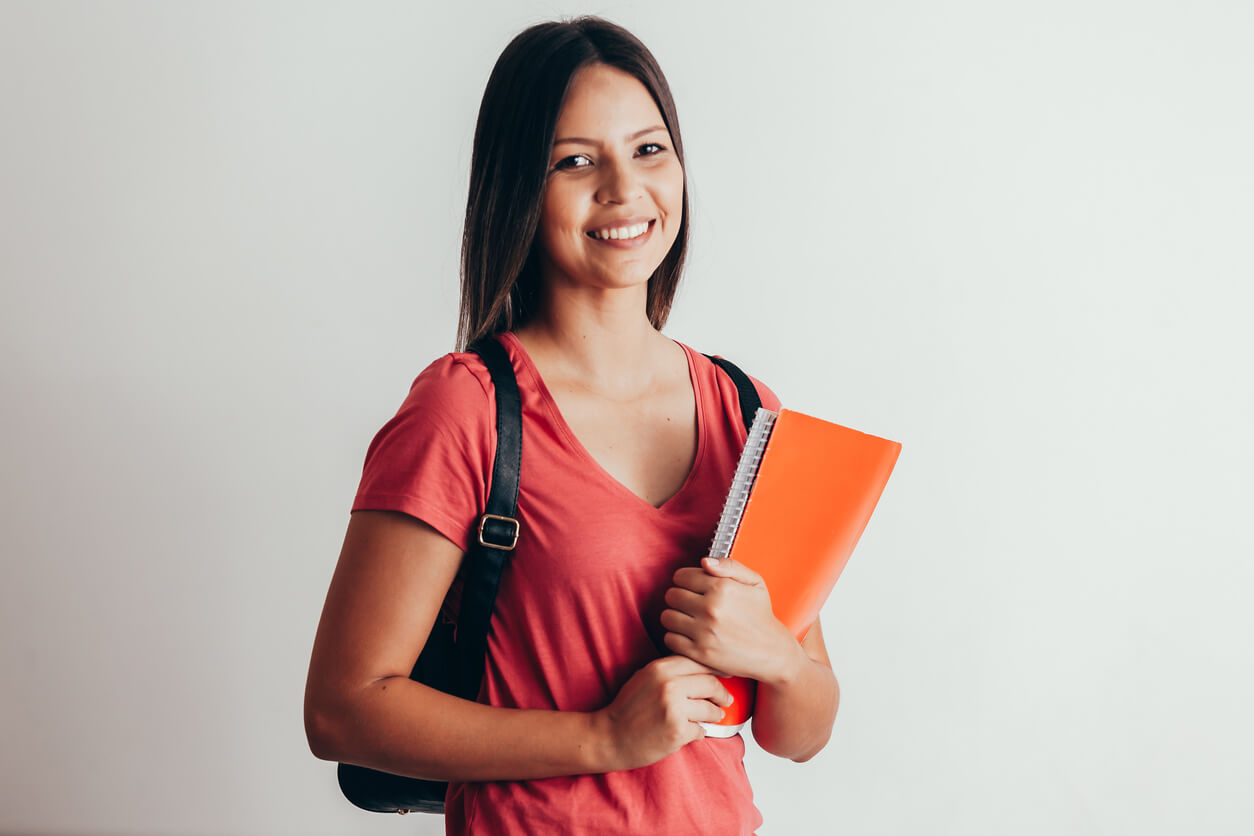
x: 622, y: 232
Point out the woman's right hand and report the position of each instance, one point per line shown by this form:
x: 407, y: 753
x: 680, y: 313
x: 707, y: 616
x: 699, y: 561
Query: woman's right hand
x: 657, y: 711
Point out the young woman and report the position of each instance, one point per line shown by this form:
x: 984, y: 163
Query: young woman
x: 609, y: 626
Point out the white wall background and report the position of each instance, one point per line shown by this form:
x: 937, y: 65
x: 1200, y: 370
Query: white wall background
x: 1014, y: 236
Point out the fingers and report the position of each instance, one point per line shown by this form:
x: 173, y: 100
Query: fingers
x: 707, y: 688
x: 694, y: 578
x: 728, y: 568
x: 679, y: 622
x: 686, y: 648
x: 714, y: 571
x: 685, y: 600
x: 722, y: 697
x: 700, y: 681
x: 700, y: 692
x: 659, y: 709
x: 670, y: 667
x: 705, y: 711
x: 681, y: 644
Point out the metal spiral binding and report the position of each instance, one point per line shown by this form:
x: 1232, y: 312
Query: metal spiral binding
x: 742, y: 482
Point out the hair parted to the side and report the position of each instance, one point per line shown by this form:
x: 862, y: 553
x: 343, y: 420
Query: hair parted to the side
x: 509, y: 165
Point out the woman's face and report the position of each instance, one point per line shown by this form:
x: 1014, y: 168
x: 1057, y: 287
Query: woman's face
x: 613, y: 201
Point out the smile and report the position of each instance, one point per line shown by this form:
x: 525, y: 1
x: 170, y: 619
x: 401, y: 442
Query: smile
x: 623, y: 235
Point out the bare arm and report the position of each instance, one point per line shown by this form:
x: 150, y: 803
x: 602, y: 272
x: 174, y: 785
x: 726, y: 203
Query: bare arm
x: 361, y: 707
x: 720, y: 615
x: 794, y: 714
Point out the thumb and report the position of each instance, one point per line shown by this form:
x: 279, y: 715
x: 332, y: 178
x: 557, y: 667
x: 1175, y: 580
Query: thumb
x: 728, y: 568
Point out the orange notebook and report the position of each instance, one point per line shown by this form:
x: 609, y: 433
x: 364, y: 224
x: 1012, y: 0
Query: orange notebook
x: 803, y: 493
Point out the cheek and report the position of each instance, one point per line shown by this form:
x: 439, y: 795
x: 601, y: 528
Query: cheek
x: 670, y: 197
x: 673, y: 191
x: 556, y: 225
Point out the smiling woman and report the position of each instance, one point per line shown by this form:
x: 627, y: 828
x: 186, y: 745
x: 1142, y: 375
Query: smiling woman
x: 607, y: 630
x: 517, y: 155
x: 614, y: 200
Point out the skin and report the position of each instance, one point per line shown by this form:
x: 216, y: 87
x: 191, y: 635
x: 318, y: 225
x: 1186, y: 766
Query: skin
x: 587, y: 342
x: 612, y: 158
x: 623, y: 388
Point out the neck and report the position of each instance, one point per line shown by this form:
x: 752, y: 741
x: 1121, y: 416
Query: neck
x: 602, y: 340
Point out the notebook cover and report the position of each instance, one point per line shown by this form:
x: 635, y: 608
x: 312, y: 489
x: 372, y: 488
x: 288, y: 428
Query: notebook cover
x: 813, y: 496
x: 810, y: 501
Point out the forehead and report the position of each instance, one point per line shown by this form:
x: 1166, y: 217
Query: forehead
x: 603, y: 99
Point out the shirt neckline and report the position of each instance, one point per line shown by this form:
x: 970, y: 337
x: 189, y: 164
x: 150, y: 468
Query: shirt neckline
x: 555, y: 415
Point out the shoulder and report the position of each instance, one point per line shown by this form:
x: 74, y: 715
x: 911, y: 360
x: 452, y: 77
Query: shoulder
x: 432, y: 460
x: 769, y: 399
x: 450, y: 401
x: 453, y: 385
x: 727, y: 386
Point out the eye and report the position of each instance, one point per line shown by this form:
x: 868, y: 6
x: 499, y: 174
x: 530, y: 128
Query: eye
x: 654, y: 145
x: 571, y: 162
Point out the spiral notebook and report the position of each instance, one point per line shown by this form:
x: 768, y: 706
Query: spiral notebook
x: 803, y: 493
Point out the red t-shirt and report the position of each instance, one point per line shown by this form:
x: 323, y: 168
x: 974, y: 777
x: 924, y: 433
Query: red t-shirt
x: 578, y: 608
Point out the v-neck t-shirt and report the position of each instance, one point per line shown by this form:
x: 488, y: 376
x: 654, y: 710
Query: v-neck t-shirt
x: 579, y: 605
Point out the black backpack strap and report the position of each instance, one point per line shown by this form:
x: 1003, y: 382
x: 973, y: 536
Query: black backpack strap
x: 497, y: 532
x: 452, y: 658
x: 749, y: 400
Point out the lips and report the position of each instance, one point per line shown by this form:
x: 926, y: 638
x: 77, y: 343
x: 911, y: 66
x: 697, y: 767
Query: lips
x: 625, y: 243
x: 621, y: 229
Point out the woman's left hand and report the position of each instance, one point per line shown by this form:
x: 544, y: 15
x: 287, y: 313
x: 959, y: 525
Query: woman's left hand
x: 720, y: 615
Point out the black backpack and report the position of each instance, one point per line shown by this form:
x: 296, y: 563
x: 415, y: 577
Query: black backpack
x: 452, y: 659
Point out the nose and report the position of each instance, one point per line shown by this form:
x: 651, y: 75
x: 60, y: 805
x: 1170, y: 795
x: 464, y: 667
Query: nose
x: 620, y: 182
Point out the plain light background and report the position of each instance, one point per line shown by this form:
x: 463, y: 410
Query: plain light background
x: 1014, y: 236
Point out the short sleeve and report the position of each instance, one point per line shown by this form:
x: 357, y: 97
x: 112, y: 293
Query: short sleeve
x: 769, y: 399
x: 433, y: 459
x: 731, y: 396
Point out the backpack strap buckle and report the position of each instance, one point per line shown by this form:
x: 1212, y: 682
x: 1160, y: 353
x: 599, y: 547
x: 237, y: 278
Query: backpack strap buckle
x: 497, y: 532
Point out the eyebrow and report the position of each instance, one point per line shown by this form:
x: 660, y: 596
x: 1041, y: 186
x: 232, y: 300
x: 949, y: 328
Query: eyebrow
x: 585, y: 141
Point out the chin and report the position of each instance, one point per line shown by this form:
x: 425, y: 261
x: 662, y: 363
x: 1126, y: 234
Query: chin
x: 599, y: 275
x: 633, y: 279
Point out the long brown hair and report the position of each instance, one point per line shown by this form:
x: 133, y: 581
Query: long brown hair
x: 513, y: 140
